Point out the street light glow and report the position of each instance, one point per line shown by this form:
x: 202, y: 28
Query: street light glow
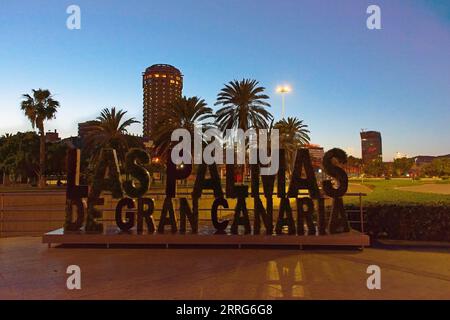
x: 284, y: 89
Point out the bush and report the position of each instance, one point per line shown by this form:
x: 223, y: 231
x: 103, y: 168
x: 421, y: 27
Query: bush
x: 409, y: 222
x: 445, y: 177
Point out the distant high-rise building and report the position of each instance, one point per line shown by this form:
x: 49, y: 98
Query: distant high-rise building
x: 162, y: 84
x: 371, y: 146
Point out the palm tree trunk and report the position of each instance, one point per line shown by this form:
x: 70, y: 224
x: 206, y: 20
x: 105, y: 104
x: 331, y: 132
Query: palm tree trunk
x: 42, y: 158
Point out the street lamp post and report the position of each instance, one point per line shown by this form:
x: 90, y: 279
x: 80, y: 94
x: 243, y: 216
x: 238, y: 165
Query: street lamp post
x: 283, y: 90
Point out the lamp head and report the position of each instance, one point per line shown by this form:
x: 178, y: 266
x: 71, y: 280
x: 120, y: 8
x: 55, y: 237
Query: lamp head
x: 284, y: 89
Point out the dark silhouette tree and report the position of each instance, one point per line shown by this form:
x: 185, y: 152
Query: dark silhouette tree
x: 293, y: 134
x: 39, y: 107
x: 244, y: 106
x: 110, y: 130
x: 186, y: 113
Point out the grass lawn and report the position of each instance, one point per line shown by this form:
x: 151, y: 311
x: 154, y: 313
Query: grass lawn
x: 384, y: 191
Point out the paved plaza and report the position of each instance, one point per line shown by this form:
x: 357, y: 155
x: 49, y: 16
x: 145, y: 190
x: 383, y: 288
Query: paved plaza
x: 29, y: 270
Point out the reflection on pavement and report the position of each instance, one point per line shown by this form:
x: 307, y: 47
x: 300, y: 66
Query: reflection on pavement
x: 284, y: 279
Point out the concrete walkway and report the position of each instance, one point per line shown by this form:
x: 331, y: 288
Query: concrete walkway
x: 29, y: 270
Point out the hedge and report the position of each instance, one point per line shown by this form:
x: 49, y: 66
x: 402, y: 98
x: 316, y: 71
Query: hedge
x: 407, y: 222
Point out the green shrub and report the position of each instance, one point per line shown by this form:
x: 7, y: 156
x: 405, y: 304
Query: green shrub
x: 409, y: 222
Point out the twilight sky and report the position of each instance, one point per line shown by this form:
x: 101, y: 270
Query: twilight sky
x: 344, y: 76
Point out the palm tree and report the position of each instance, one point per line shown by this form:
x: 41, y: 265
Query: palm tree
x: 109, y: 130
x: 243, y: 106
x: 38, y: 107
x: 186, y: 113
x: 293, y: 133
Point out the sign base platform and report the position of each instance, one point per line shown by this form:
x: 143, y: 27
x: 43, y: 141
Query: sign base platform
x: 205, y: 237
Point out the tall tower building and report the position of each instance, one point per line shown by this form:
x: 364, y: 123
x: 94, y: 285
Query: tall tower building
x: 371, y: 146
x: 162, y: 84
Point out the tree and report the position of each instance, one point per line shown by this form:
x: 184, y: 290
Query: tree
x: 375, y: 168
x: 437, y: 168
x: 402, y: 166
x: 186, y: 113
x: 293, y: 134
x: 243, y: 106
x: 110, y: 130
x: 56, y: 158
x: 19, y: 160
x: 39, y: 107
x: 354, y: 162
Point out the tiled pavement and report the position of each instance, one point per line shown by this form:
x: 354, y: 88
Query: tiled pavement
x: 29, y: 270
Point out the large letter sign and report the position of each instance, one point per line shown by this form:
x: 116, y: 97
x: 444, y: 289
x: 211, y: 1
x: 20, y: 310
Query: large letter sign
x: 135, y: 209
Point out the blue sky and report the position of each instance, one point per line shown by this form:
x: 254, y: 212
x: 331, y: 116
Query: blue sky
x: 344, y: 76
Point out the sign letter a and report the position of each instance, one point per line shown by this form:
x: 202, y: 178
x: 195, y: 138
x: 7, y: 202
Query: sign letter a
x: 74, y: 280
x: 374, y: 280
x: 374, y: 20
x: 73, y: 21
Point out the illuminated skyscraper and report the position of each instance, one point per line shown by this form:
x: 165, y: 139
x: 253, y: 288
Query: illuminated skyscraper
x: 371, y: 146
x: 162, y: 84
